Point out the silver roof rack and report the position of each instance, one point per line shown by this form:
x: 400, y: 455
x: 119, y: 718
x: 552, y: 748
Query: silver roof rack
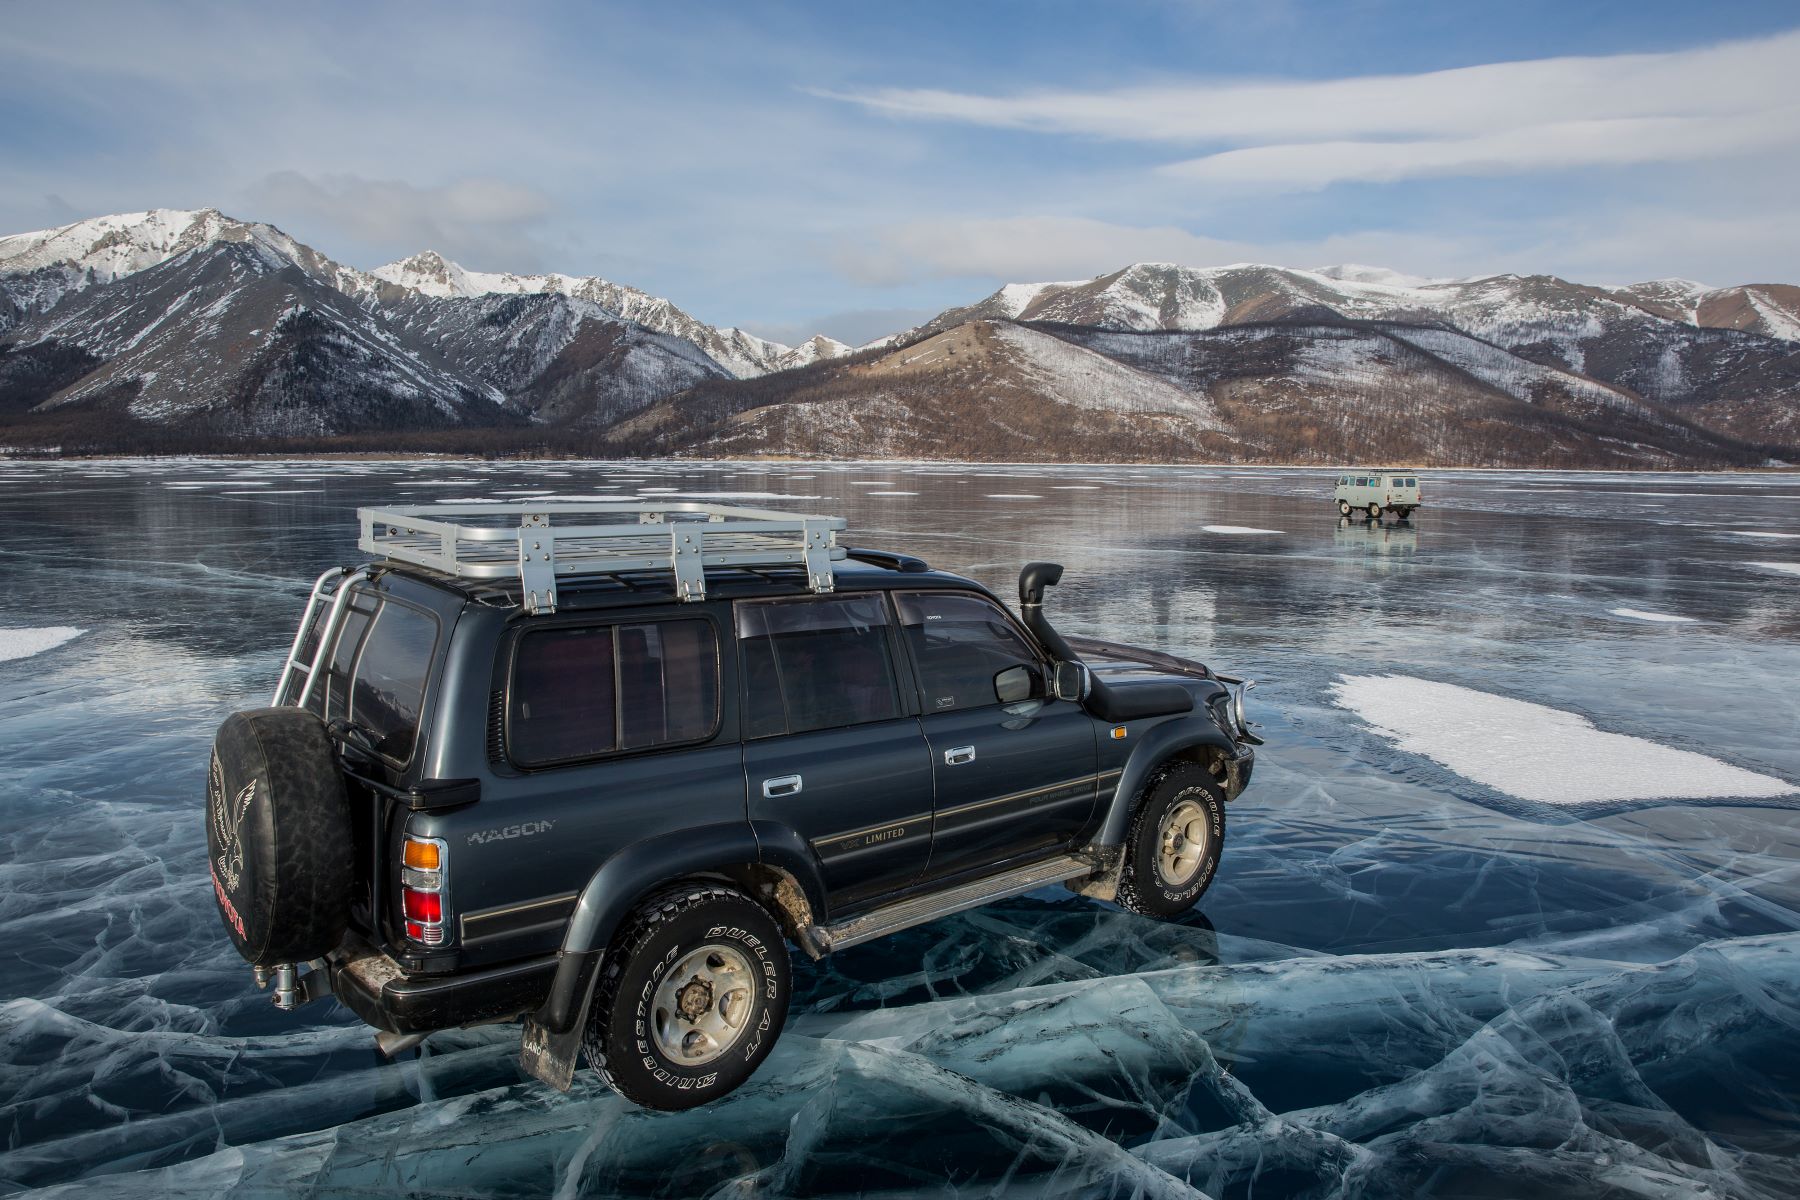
x: 540, y: 544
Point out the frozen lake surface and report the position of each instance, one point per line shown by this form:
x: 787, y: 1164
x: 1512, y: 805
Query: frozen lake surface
x: 1512, y: 907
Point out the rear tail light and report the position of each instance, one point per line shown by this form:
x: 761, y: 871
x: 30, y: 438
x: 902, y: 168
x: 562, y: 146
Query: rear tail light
x: 422, y: 889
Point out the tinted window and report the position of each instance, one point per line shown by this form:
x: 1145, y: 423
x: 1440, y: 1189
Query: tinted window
x: 388, y: 687
x: 581, y: 692
x: 330, y: 697
x: 959, y: 643
x: 669, y: 682
x: 816, y: 664
x: 563, y: 696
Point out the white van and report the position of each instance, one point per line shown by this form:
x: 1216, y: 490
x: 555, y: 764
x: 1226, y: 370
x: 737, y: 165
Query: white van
x: 1376, y: 492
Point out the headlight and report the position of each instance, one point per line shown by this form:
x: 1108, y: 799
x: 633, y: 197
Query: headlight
x: 1239, y: 709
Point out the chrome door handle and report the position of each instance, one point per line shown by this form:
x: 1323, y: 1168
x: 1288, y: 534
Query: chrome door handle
x: 781, y: 785
x: 958, y: 756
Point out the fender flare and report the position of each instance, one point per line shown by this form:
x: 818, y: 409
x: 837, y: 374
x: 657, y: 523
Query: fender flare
x: 622, y: 880
x: 1155, y: 746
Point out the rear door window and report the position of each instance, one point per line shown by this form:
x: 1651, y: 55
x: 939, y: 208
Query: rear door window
x: 387, y: 689
x: 582, y: 692
x: 816, y: 664
x: 377, y: 671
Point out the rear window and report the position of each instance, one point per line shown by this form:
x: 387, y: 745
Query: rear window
x: 579, y: 693
x: 816, y: 664
x: 376, y: 677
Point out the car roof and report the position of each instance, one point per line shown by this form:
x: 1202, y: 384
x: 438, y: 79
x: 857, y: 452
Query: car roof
x: 637, y: 588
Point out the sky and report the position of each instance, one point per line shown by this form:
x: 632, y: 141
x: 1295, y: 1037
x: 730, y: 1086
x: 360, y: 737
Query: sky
x: 851, y: 169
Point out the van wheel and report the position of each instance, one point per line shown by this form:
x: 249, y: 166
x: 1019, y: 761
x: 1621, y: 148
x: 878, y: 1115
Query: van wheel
x: 1172, y: 848
x: 692, y: 995
x: 1374, y: 512
x: 1343, y: 508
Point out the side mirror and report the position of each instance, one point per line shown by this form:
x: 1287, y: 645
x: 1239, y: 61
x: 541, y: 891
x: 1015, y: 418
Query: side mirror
x: 1013, y: 685
x: 1073, y: 681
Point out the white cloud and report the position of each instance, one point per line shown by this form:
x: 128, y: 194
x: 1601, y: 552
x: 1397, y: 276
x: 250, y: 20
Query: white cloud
x: 488, y: 224
x: 1541, y: 114
x: 1624, y: 141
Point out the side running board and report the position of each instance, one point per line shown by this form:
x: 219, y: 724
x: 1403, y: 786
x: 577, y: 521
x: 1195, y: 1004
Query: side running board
x: 917, y: 911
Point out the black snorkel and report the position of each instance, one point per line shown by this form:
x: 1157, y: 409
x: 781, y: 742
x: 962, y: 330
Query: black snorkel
x: 1073, y: 680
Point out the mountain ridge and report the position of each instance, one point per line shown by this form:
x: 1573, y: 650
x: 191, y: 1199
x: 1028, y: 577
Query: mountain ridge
x: 189, y: 324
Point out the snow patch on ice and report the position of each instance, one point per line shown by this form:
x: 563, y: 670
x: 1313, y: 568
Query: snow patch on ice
x: 1238, y: 529
x: 23, y: 643
x: 1013, y: 496
x: 1758, y: 533
x: 1535, y: 752
x: 1638, y: 614
x: 1785, y: 567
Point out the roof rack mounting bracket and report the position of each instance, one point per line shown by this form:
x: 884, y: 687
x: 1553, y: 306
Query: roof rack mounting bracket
x: 684, y: 553
x: 537, y: 562
x: 819, y: 543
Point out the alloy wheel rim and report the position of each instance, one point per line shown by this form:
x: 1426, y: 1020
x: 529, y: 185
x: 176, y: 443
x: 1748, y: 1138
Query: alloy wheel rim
x: 702, y: 1006
x: 1182, y: 843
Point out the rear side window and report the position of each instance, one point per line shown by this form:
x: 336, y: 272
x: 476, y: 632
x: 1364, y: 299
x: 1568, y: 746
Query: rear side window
x: 959, y: 643
x: 816, y: 664
x: 583, y: 692
x: 377, y: 671
x: 388, y: 687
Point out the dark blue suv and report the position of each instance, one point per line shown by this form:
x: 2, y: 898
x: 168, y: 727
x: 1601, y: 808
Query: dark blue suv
x: 602, y: 792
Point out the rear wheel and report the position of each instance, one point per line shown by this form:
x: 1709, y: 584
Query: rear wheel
x: 692, y: 995
x: 1172, y: 848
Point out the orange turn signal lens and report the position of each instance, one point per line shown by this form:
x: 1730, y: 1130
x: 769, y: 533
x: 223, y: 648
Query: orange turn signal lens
x: 1118, y: 733
x: 422, y: 855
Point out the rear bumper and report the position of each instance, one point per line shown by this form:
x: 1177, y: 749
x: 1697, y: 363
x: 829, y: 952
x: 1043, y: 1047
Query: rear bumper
x: 372, y: 985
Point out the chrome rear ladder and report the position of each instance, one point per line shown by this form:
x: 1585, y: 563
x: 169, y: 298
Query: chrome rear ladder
x: 327, y: 635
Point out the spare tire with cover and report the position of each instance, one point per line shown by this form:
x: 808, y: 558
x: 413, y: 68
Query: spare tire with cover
x: 278, y: 836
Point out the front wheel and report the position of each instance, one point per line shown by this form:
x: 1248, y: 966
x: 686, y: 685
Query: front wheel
x: 1172, y: 848
x: 1343, y: 508
x: 691, y: 997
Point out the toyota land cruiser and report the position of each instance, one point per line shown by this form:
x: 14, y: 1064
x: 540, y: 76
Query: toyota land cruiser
x: 594, y: 768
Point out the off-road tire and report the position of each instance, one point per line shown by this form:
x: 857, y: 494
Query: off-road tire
x: 278, y: 841
x: 660, y: 934
x: 1142, y: 888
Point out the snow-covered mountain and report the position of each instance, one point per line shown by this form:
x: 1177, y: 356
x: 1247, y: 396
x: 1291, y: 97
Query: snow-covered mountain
x: 39, y: 268
x: 231, y: 337
x: 431, y: 274
x: 557, y: 359
x: 1726, y: 357
x: 1296, y: 391
x: 1168, y: 296
x: 201, y: 325
x: 195, y: 321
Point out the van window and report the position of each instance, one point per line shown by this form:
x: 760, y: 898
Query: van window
x: 580, y: 692
x: 816, y: 663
